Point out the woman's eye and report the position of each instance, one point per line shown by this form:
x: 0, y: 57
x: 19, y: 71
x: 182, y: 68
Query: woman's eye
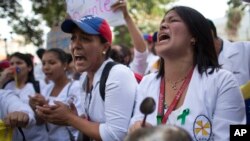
x: 85, y: 39
x: 81, y: 38
x: 73, y: 38
x: 173, y: 20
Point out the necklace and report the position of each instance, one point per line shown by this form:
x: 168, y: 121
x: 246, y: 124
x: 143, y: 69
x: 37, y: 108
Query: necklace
x: 174, y: 83
x: 165, y: 105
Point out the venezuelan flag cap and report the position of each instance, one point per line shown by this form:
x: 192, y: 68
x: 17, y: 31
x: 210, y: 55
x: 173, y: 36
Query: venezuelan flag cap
x: 89, y: 24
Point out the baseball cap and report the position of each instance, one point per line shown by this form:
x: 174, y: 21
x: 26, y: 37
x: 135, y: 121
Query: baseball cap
x: 90, y: 24
x: 148, y: 37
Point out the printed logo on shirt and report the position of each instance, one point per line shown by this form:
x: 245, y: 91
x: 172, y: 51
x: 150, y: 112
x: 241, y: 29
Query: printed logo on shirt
x: 202, y: 128
x: 236, y: 72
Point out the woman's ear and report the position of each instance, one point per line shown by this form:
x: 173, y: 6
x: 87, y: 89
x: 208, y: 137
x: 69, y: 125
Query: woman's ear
x: 106, y: 47
x: 65, y: 66
x: 193, y: 41
x: 29, y: 68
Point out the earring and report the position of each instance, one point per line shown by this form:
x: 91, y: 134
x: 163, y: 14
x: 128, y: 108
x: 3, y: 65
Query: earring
x: 192, y: 42
x: 103, y: 52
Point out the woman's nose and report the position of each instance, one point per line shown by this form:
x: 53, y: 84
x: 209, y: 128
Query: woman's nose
x: 14, y: 65
x: 163, y: 25
x: 45, y: 67
x: 75, y: 44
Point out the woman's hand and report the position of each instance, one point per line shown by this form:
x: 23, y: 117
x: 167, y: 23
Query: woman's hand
x: 37, y: 100
x: 59, y: 113
x: 137, y: 125
x: 6, y: 75
x: 16, y: 119
x: 121, y: 5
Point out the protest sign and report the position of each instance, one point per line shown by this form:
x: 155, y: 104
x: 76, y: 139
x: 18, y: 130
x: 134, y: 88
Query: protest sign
x: 57, y: 38
x: 101, y: 8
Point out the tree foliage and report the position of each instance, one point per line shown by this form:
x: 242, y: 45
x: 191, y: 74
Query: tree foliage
x: 146, y: 13
x: 52, y: 11
x: 26, y: 26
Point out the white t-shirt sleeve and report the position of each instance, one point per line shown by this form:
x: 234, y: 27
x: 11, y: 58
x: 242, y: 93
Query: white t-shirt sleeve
x: 10, y: 102
x: 119, y: 101
x: 139, y: 63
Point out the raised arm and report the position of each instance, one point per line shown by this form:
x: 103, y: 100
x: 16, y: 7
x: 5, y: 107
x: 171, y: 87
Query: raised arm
x: 134, y: 31
x: 139, y: 63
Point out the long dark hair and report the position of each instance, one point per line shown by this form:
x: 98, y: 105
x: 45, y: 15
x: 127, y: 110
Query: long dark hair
x: 204, y: 51
x: 27, y: 59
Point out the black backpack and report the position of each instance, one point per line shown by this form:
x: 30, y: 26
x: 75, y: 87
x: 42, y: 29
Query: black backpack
x: 104, y: 77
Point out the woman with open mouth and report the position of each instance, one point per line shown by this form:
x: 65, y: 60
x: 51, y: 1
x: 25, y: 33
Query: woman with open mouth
x: 190, y: 89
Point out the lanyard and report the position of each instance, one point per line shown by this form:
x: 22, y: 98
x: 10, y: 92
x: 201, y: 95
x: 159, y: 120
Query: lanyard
x: 163, y: 119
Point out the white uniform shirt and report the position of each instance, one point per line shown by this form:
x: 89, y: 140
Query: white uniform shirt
x: 71, y: 92
x: 38, y: 72
x: 115, y: 112
x: 235, y: 57
x: 10, y: 102
x: 34, y: 132
x: 143, y: 62
x: 214, y: 103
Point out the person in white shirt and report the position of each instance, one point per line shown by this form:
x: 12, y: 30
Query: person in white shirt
x: 61, y: 90
x: 19, y: 77
x: 143, y: 57
x: 152, y: 58
x: 39, y: 75
x: 107, y: 118
x: 235, y: 57
x: 14, y: 113
x: 190, y: 90
x: 17, y: 113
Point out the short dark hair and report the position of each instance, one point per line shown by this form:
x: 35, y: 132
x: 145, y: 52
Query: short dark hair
x: 119, y: 56
x: 40, y: 52
x: 160, y: 132
x: 212, y: 27
x: 104, y: 40
x: 69, y: 58
x: 204, y: 51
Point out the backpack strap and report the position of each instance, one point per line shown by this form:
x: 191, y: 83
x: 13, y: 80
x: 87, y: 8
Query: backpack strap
x: 21, y: 131
x: 104, y: 77
x: 36, y: 86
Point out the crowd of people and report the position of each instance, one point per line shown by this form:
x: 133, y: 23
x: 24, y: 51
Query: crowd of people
x: 193, y: 76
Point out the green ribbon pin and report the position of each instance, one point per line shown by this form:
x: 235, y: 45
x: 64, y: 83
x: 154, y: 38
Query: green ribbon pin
x: 159, y: 119
x: 183, y: 116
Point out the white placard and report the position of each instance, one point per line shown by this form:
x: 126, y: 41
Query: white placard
x: 56, y: 38
x: 101, y: 8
